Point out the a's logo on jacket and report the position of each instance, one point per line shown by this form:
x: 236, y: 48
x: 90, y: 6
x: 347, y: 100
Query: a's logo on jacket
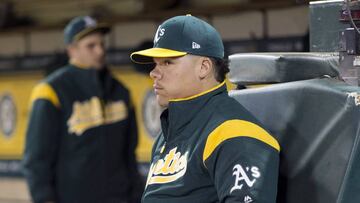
x: 247, y: 175
x: 169, y: 169
x: 92, y: 113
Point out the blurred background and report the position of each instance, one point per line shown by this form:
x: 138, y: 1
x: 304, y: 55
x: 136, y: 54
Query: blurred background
x: 31, y: 47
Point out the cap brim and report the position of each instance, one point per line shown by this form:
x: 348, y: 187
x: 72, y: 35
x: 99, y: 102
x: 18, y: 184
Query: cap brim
x: 146, y: 56
x: 103, y: 28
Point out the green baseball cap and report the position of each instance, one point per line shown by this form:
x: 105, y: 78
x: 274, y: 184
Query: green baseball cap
x: 81, y: 26
x: 181, y: 35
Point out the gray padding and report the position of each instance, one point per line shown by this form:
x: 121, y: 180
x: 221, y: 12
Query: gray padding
x: 317, y: 123
x: 260, y: 68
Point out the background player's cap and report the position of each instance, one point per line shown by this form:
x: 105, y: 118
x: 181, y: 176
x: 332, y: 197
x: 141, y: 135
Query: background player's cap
x: 182, y: 35
x: 81, y: 26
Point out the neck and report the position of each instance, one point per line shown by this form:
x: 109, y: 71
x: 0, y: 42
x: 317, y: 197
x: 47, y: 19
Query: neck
x: 203, y: 89
x: 75, y: 62
x: 207, y: 84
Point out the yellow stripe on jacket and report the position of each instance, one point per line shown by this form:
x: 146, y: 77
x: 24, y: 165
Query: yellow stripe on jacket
x: 237, y: 128
x: 44, y: 91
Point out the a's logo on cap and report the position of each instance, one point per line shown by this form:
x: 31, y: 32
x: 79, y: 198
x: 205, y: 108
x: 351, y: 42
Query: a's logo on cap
x: 89, y: 22
x: 159, y: 33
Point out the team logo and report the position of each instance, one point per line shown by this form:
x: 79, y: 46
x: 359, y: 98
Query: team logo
x: 7, y: 115
x: 195, y: 45
x: 170, y: 168
x: 89, y: 22
x: 91, y: 113
x: 247, y: 176
x: 151, y: 114
x: 159, y: 33
x: 356, y: 97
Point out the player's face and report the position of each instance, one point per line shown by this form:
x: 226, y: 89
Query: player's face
x: 89, y: 51
x: 175, y: 78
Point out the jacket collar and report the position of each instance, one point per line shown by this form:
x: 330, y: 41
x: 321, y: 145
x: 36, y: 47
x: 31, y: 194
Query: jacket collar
x: 100, y: 79
x: 180, y: 112
x: 78, y: 65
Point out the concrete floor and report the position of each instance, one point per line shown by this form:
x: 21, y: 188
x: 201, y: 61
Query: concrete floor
x: 13, y: 190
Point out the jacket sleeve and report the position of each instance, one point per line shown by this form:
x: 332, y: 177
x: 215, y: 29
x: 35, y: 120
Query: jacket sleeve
x: 243, y: 161
x: 137, y: 181
x: 41, y: 143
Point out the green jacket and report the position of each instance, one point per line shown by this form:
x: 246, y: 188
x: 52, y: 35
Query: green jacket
x: 211, y: 149
x: 81, y: 139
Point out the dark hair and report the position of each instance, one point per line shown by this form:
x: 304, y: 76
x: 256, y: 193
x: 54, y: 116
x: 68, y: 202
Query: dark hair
x: 221, y: 68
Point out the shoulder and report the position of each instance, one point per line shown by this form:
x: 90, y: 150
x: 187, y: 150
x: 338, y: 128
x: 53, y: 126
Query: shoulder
x: 235, y: 122
x: 241, y: 130
x: 228, y: 108
x: 59, y: 75
x: 45, y: 91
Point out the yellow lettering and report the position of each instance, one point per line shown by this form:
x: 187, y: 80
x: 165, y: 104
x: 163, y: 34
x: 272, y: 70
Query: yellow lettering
x: 174, y: 164
x: 89, y: 114
x: 158, y: 167
x: 169, y: 169
x: 168, y: 159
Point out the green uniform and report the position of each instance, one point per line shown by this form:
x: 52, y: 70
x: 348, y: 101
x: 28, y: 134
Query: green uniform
x: 81, y: 139
x: 211, y: 149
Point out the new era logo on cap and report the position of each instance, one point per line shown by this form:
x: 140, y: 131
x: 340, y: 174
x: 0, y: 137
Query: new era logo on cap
x: 195, y: 45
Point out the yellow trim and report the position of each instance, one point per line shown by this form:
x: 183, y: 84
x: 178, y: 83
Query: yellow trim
x: 237, y: 128
x: 155, y: 53
x: 44, y: 91
x: 198, y: 95
x: 257, y: 86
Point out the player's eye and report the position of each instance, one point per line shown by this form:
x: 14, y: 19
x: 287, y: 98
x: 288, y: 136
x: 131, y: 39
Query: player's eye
x: 91, y: 46
x: 167, y: 62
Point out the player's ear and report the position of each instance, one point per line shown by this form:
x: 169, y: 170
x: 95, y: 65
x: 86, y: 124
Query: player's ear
x: 70, y: 49
x: 205, y: 67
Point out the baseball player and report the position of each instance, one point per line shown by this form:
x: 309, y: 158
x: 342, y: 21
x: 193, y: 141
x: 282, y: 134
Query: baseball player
x: 82, y: 134
x: 210, y: 149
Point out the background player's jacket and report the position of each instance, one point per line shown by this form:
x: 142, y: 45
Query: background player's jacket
x: 81, y: 139
x: 212, y: 150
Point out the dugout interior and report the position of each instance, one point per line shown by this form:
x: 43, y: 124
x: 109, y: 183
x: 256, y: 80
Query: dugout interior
x: 312, y: 113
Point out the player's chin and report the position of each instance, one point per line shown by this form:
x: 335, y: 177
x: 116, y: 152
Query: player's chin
x: 99, y: 65
x: 162, y: 101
